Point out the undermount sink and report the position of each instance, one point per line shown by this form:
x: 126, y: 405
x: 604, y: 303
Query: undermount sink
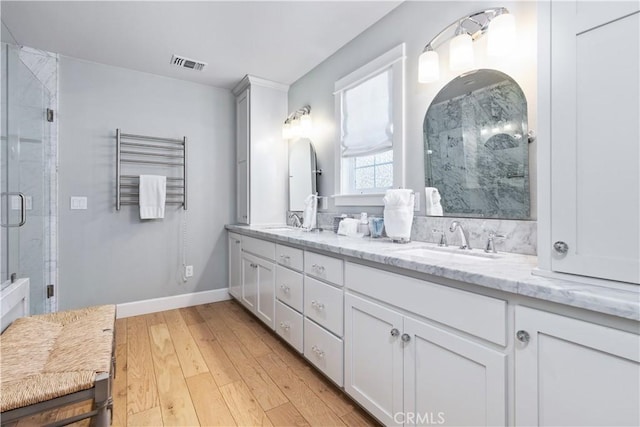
x: 280, y: 228
x: 446, y: 253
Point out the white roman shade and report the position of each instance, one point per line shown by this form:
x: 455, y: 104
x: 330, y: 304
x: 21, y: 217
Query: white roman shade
x: 367, y: 120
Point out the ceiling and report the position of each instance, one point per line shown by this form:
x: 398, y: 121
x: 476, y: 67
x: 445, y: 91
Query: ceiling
x: 276, y: 40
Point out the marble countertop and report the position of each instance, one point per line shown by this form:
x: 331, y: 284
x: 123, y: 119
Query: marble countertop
x: 508, y: 272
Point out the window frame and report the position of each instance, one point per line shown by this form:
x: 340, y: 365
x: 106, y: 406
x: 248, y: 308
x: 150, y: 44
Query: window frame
x: 394, y: 59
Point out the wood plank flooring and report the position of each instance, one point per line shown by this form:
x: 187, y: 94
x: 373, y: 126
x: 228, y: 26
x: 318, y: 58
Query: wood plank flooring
x: 216, y: 365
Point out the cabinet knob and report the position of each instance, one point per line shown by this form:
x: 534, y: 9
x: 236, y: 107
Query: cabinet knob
x: 317, y: 305
x: 560, y: 247
x: 284, y: 288
x: 395, y: 332
x: 285, y: 326
x: 405, y: 337
x: 317, y: 351
x: 523, y: 336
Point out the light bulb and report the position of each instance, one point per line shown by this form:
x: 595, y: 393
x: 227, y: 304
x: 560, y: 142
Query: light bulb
x: 428, y: 67
x: 305, y: 126
x: 502, y: 35
x: 286, y: 131
x: 461, y: 52
x: 295, y: 128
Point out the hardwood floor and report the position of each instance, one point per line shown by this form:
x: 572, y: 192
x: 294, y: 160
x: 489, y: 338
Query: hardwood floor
x: 216, y: 365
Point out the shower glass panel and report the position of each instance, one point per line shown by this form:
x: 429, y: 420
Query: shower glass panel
x: 25, y: 172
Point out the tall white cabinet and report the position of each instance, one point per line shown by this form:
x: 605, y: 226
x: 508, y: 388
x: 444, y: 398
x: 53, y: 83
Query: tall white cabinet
x: 261, y: 153
x: 594, y: 159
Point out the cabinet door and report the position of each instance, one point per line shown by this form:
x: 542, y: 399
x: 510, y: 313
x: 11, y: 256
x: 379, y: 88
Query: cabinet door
x: 249, y: 282
x: 266, y: 292
x: 595, y: 169
x: 373, y: 357
x: 242, y: 157
x: 572, y: 372
x: 235, y: 267
x: 242, y: 126
x: 242, y: 190
x: 450, y: 380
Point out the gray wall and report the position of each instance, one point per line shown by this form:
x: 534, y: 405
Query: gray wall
x: 414, y: 23
x: 107, y: 256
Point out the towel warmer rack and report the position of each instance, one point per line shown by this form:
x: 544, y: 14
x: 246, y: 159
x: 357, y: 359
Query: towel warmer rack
x: 150, y: 150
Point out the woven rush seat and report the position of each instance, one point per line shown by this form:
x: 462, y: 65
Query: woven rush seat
x: 52, y: 355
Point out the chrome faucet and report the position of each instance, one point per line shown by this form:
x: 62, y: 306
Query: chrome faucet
x: 455, y: 225
x: 491, y: 247
x: 296, y: 221
x: 443, y: 237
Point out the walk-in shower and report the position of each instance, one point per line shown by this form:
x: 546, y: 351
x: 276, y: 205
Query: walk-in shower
x: 28, y: 171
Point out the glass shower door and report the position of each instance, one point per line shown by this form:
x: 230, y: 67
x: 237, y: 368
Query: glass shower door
x: 24, y: 176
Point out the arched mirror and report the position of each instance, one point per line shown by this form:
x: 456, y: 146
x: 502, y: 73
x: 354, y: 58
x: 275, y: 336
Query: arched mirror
x: 302, y: 173
x: 477, y: 147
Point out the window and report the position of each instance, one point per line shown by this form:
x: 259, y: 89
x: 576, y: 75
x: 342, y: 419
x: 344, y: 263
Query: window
x: 369, y: 110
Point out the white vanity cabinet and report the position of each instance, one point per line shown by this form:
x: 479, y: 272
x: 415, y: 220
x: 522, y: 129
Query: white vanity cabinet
x: 593, y: 166
x: 261, y: 154
x: 258, y: 278
x: 572, y: 372
x: 407, y: 371
x: 235, y: 265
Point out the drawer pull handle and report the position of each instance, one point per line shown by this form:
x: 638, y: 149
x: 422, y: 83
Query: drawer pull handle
x: 285, y: 325
x: 317, y: 351
x: 252, y: 265
x: 406, y: 337
x: 285, y: 288
x: 319, y: 269
x: 523, y: 336
x: 395, y: 332
x: 317, y: 305
x: 285, y: 258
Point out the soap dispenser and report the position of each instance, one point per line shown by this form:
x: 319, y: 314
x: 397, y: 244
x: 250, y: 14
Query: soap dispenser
x: 363, y: 227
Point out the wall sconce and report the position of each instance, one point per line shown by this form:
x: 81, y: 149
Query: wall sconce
x: 298, y: 124
x: 497, y: 22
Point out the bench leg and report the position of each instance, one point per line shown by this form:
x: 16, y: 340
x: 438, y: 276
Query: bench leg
x: 102, y: 401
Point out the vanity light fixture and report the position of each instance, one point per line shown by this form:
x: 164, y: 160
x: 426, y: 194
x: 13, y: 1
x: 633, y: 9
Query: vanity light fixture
x: 298, y: 124
x: 497, y: 22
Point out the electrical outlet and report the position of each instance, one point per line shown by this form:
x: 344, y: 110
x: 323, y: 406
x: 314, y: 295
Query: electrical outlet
x: 188, y: 271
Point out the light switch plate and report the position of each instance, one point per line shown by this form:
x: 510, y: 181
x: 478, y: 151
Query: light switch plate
x: 78, y: 203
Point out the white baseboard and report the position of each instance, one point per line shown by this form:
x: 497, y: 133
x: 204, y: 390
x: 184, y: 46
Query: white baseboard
x: 154, y: 305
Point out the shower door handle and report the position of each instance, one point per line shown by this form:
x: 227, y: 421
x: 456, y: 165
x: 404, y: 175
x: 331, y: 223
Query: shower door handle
x: 23, y: 209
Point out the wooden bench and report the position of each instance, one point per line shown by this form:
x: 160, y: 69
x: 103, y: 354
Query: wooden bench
x: 58, y: 359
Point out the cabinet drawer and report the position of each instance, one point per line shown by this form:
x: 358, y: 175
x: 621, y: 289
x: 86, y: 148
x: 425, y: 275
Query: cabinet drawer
x: 324, y: 304
x: 289, y: 287
x: 259, y: 247
x: 324, y: 267
x: 479, y: 315
x: 289, y: 257
x: 323, y: 350
x: 289, y: 326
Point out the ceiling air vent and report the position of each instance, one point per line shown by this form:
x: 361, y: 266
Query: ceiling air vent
x: 181, y: 61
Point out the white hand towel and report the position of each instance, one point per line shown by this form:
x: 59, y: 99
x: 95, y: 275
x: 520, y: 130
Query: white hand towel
x: 399, y: 197
x: 398, y: 214
x: 153, y: 193
x: 310, y: 212
x: 432, y: 205
x: 349, y: 227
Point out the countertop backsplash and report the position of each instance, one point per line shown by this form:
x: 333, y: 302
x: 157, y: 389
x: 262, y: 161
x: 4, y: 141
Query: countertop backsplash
x: 521, y: 236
